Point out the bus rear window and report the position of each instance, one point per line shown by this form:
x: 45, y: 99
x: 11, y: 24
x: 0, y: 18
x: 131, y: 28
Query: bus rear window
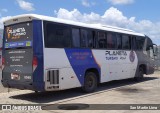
x: 18, y: 35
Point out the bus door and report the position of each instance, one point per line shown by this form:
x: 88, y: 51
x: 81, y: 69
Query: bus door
x: 150, y: 57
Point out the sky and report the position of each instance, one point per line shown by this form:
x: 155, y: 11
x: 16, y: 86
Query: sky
x: 139, y: 15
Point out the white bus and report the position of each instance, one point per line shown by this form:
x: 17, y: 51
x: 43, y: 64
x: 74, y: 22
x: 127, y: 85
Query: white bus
x: 43, y: 53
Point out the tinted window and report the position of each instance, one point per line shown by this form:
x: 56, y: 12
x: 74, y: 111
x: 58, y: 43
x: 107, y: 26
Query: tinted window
x: 18, y: 35
x: 57, y: 35
x: 18, y: 32
x: 94, y: 35
x: 140, y: 42
x: 126, y: 42
x: 119, y: 41
x: 76, y: 37
x: 86, y: 38
x: 90, y: 38
x: 111, y: 40
x: 102, y: 40
x: 134, y: 44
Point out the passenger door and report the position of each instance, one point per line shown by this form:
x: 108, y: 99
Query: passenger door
x: 150, y: 55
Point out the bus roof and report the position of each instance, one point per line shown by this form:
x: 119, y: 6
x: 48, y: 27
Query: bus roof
x: 29, y: 17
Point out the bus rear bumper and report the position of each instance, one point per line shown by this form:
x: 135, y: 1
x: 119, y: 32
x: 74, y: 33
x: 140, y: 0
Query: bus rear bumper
x: 23, y: 85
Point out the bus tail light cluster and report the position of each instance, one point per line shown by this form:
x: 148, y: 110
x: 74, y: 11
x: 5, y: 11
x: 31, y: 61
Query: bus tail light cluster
x: 35, y: 63
x: 3, y: 63
x: 53, y: 78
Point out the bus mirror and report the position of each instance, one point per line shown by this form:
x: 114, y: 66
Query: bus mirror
x: 155, y: 50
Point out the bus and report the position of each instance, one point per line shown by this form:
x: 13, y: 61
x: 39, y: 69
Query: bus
x: 42, y: 53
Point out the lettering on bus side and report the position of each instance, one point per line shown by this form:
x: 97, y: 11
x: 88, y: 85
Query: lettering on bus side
x: 113, y: 55
x: 80, y: 55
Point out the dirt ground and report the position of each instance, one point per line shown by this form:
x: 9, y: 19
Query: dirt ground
x: 115, y: 92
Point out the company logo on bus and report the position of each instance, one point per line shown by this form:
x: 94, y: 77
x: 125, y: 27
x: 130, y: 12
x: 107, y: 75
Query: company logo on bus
x: 132, y: 56
x: 15, y: 33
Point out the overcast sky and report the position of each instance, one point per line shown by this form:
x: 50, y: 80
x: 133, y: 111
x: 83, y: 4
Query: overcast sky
x: 140, y: 15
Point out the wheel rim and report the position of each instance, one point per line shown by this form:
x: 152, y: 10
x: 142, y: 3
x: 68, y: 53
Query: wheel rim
x: 141, y: 73
x: 90, y: 82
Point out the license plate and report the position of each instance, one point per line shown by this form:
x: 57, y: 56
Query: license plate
x: 15, y: 76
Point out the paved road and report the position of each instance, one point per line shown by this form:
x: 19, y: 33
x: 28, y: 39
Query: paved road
x: 116, y: 92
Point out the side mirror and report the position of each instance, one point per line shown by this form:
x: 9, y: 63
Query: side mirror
x: 155, y: 50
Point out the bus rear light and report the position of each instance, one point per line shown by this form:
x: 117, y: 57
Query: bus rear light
x: 3, y: 63
x: 35, y: 63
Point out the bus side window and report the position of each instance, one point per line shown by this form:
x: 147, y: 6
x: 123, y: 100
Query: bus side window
x: 111, y: 40
x: 57, y: 35
x: 90, y: 39
x: 134, y: 44
x: 140, y: 42
x: 94, y: 38
x: 75, y: 37
x: 119, y: 41
x: 86, y: 38
x: 126, y: 42
x: 102, y: 43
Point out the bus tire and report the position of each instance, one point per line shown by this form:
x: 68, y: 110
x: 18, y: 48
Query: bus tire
x: 140, y: 75
x: 36, y: 91
x: 90, y: 82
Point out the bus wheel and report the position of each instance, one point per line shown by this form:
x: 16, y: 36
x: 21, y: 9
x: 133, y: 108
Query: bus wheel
x: 36, y: 91
x: 140, y: 75
x: 90, y: 82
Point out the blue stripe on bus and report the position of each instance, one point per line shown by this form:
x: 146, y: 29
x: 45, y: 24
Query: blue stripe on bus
x: 81, y: 60
x: 38, y: 81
